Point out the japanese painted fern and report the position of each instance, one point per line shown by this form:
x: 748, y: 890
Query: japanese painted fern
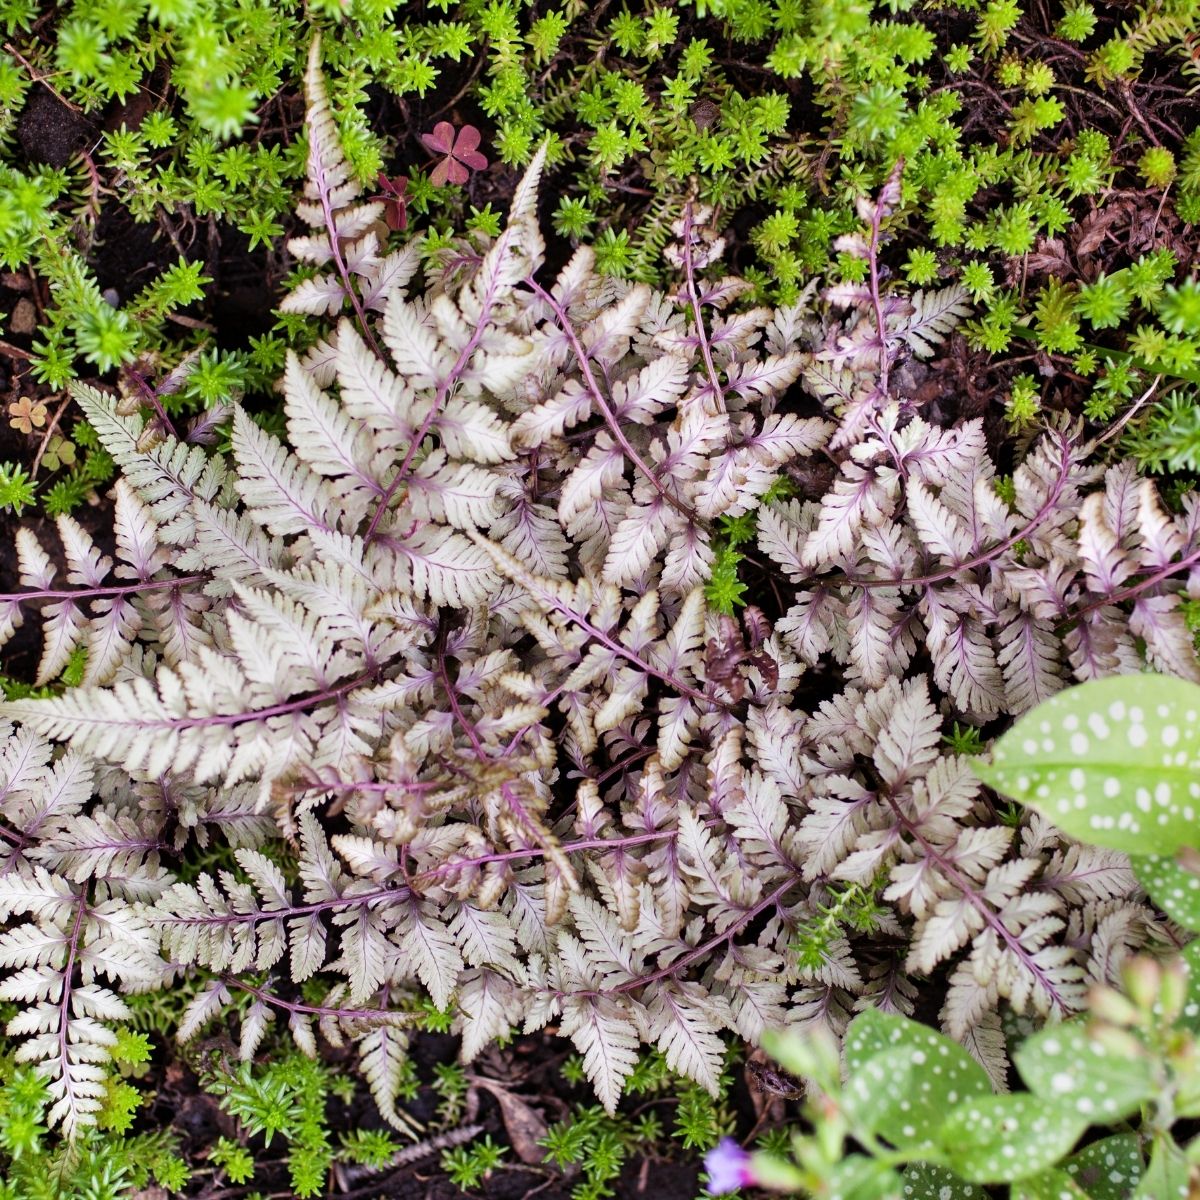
x: 445, y: 649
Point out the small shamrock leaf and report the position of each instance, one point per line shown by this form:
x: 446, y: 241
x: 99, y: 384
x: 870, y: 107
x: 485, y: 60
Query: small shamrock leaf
x: 394, y: 194
x: 26, y: 414
x: 1114, y: 762
x: 1065, y: 1067
x: 60, y: 452
x: 459, y: 151
x: 992, y: 1139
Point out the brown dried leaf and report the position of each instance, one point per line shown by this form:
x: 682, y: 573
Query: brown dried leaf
x: 524, y: 1125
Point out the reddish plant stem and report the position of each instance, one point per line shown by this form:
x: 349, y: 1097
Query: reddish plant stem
x: 276, y: 710
x: 985, y: 910
x: 876, y: 296
x: 701, y: 951
x: 638, y: 839
x: 885, y: 362
x: 610, y: 418
x: 401, y: 892
x: 316, y: 1010
x: 101, y: 593
x: 624, y: 652
x: 468, y: 726
x: 339, y: 261
x: 12, y: 835
x: 1136, y: 589
x: 150, y: 396
x: 64, y: 1004
x: 366, y: 785
x: 440, y: 398
x: 986, y: 555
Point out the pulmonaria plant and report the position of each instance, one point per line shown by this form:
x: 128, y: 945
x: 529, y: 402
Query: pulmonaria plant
x: 450, y: 637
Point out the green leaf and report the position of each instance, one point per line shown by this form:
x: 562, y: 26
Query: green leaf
x: 1175, y: 889
x: 904, y: 1077
x: 1115, y: 762
x: 1191, y: 1009
x: 1049, y: 1185
x: 857, y: 1177
x: 873, y: 1032
x: 1166, y: 1177
x: 997, y: 1138
x: 927, y: 1181
x: 1070, y: 1070
x: 1108, y: 1169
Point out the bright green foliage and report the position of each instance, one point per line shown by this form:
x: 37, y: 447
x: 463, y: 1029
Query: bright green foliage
x: 599, y: 1145
x: 1024, y: 402
x: 1168, y: 439
x: 470, y: 1167
x: 368, y: 1147
x: 100, y: 1166
x: 236, y: 1161
x: 594, y: 1142
x: 929, y: 1128
x: 17, y: 489
x: 725, y: 590
x: 700, y: 1119
x: 285, y: 1100
x: 639, y: 106
x: 851, y: 906
x: 450, y: 1083
x: 1113, y: 762
x: 1157, y: 166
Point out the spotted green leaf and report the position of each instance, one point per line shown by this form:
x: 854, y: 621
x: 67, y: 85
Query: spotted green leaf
x: 1175, y: 889
x: 1049, y: 1185
x: 1166, y: 1177
x: 858, y: 1177
x: 1065, y: 1067
x: 992, y: 1139
x: 1108, y: 1169
x: 1115, y: 762
x: 903, y: 1077
x: 928, y: 1181
x: 873, y: 1032
x: 1191, y: 1009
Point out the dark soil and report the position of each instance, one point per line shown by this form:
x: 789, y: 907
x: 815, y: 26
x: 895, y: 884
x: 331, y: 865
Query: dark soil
x: 51, y: 132
x: 529, y: 1072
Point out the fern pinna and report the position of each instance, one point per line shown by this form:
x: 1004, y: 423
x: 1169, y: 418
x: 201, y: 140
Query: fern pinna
x: 445, y: 650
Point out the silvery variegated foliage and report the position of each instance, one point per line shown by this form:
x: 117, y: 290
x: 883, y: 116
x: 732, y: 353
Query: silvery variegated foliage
x: 445, y: 648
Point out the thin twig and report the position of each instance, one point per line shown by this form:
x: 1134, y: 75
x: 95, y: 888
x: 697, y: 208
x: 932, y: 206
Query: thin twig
x: 49, y: 433
x: 694, y: 300
x: 15, y: 351
x: 37, y: 77
x: 1116, y: 428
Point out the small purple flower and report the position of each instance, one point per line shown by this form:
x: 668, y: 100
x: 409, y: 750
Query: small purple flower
x: 728, y: 1167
